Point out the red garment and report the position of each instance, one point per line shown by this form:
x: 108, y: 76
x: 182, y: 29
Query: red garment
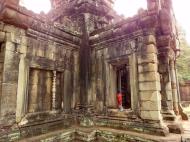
x: 119, y: 99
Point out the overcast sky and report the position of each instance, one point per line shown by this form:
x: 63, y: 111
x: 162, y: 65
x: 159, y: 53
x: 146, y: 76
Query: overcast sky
x: 181, y: 9
x: 127, y: 8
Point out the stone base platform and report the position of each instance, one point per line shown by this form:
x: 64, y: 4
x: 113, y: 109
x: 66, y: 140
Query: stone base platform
x: 99, y: 134
x: 103, y: 129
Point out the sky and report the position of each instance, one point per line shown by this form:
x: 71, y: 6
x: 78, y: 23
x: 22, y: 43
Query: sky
x: 181, y: 9
x: 127, y: 8
x: 37, y: 5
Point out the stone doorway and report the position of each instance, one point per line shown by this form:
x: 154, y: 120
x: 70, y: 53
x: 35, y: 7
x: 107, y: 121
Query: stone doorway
x: 123, y: 85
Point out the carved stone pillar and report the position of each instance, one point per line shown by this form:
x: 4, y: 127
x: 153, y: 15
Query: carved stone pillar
x: 149, y: 81
x: 166, y: 88
x: 22, y: 90
x: 68, y: 91
x: 149, y: 84
x: 99, y: 82
x: 76, y: 87
x: 54, y: 106
x: 9, y: 84
x: 174, y: 87
x: 133, y: 78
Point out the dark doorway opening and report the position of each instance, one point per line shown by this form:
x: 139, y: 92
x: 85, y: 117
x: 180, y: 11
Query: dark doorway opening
x: 123, y: 85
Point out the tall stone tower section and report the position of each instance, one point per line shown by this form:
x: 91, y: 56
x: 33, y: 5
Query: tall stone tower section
x: 87, y: 16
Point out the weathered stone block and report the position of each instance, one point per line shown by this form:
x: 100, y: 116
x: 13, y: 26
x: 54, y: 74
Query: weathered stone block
x: 149, y: 76
x: 15, y: 35
x: 8, y: 89
x: 167, y: 104
x: 150, y: 39
x: 10, y: 46
x: 9, y: 28
x: 8, y: 98
x: 151, y: 105
x: 148, y: 86
x: 23, y: 49
x: 151, y: 115
x: 2, y: 26
x: 147, y: 58
x: 168, y: 86
x: 2, y: 36
x: 147, y: 67
x: 10, y: 76
x: 169, y: 94
x: 150, y: 48
x: 150, y: 96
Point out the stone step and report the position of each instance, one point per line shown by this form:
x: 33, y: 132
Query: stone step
x: 168, y: 117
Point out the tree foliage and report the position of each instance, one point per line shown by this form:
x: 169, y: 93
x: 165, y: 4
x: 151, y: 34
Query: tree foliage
x: 183, y: 62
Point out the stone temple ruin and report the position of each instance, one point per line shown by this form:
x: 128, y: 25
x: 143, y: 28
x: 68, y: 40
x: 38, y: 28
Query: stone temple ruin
x: 60, y: 72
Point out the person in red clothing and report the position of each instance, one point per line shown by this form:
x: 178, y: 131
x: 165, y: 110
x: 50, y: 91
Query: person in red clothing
x: 119, y: 100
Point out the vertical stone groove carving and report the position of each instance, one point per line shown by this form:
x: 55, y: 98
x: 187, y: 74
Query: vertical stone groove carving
x: 54, y: 91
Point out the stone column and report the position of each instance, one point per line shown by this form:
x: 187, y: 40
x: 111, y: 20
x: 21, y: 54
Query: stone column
x: 68, y: 91
x: 133, y: 81
x: 106, y: 79
x: 54, y: 106
x: 111, y: 98
x: 10, y: 80
x: 22, y: 90
x: 149, y: 81
x: 166, y: 88
x: 76, y: 87
x: 99, y: 81
x: 174, y: 87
